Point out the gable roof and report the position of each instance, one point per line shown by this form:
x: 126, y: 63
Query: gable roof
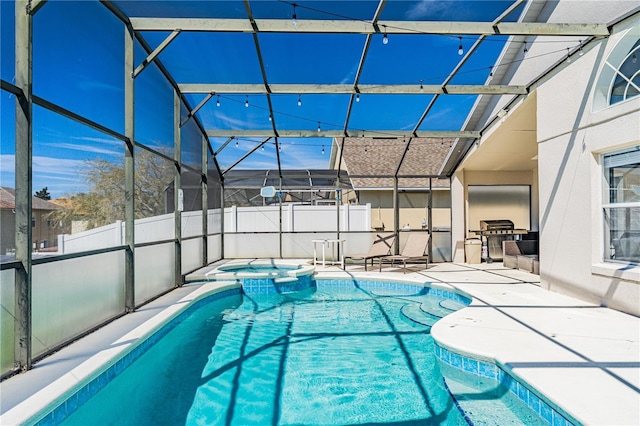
x: 372, y: 162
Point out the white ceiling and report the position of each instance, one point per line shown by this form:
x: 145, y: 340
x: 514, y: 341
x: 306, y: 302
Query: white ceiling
x: 511, y: 144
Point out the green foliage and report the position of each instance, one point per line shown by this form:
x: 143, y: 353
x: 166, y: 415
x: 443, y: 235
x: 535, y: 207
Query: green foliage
x: 104, y: 203
x: 43, y: 194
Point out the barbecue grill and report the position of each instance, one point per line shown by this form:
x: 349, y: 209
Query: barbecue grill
x: 493, y: 233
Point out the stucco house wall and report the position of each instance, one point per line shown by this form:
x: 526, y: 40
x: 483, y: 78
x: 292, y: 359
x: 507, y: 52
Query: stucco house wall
x: 571, y: 138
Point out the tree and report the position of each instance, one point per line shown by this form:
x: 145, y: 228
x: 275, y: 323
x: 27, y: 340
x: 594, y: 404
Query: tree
x: 104, y: 203
x: 43, y: 194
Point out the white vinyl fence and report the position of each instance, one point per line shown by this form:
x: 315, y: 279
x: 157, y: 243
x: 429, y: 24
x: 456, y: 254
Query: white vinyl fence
x: 295, y: 218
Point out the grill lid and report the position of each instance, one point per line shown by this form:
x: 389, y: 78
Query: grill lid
x: 492, y: 225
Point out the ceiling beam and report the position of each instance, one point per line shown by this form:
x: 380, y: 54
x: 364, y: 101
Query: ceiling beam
x: 348, y: 89
x: 363, y: 27
x: 341, y: 133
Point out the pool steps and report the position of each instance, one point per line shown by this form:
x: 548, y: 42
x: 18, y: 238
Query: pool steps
x: 538, y: 404
x: 414, y: 312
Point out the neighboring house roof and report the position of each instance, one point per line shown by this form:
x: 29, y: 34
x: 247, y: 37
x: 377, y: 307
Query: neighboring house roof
x: 8, y: 201
x: 372, y: 162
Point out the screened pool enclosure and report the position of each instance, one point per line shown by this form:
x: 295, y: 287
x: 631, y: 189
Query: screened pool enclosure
x: 145, y: 131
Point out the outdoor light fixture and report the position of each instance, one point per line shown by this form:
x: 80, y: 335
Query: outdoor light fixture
x: 385, y: 39
x: 236, y: 144
x: 270, y: 118
x: 358, y: 98
x: 322, y: 149
x: 491, y: 71
x: 421, y: 87
x: 580, y: 52
x: 568, y: 55
x: 460, y: 49
x: 299, y: 101
x: 294, y: 17
x: 525, y: 48
x: 262, y: 148
x: 218, y: 101
x: 246, y: 103
x: 318, y: 126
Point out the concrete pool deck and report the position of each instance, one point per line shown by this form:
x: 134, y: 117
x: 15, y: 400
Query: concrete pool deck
x: 584, y: 358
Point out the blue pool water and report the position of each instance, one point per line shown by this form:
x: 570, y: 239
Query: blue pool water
x: 331, y: 354
x: 258, y: 269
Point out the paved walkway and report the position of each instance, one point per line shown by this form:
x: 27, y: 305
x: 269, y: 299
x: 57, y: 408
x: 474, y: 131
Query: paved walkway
x: 584, y: 358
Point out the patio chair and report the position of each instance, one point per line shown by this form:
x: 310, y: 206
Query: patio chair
x: 412, y: 251
x: 380, y: 247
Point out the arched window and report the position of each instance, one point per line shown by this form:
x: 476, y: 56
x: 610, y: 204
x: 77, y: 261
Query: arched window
x: 619, y: 78
x: 626, y: 81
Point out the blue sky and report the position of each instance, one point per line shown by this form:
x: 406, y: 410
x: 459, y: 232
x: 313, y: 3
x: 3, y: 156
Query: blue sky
x: 81, y: 69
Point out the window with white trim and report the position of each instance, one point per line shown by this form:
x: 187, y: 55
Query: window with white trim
x: 626, y: 80
x: 619, y: 78
x: 621, y: 206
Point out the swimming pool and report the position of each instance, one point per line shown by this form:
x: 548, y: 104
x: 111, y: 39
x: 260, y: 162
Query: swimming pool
x: 343, y: 351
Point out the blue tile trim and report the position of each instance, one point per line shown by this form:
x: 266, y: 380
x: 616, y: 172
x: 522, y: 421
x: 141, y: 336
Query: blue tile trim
x: 489, y: 370
x: 67, y: 406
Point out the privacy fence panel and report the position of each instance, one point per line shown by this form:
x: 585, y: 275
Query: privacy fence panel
x: 74, y: 295
x: 7, y: 315
x: 154, y: 270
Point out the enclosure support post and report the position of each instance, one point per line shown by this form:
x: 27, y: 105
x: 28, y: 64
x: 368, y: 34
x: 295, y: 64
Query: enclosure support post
x: 280, y: 215
x: 129, y: 171
x: 429, y: 220
x: 396, y: 217
x: 205, y: 203
x: 178, y: 200
x: 221, y: 218
x: 337, y: 212
x: 23, y: 200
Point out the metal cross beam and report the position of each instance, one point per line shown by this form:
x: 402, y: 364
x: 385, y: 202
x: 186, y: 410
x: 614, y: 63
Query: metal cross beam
x: 341, y: 133
x: 363, y: 27
x: 348, y: 89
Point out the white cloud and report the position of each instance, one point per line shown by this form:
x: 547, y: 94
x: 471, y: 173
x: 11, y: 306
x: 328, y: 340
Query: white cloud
x: 230, y: 122
x: 7, y: 162
x: 60, y: 166
x: 93, y: 85
x: 60, y: 175
x: 85, y: 148
x: 426, y: 8
x: 112, y: 142
x: 348, y: 79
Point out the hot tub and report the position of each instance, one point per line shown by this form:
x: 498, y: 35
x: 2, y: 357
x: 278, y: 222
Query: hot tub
x: 266, y: 276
